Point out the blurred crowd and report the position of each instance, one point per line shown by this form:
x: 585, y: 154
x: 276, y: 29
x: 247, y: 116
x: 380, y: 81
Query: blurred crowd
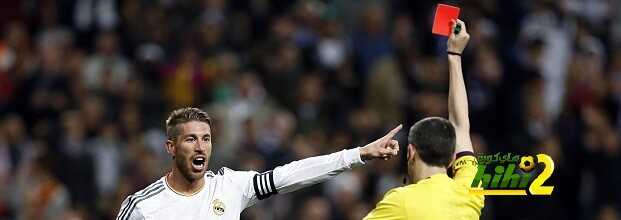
x: 85, y: 87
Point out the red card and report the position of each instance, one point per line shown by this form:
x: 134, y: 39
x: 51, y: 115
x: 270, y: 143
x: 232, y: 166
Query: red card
x: 442, y: 20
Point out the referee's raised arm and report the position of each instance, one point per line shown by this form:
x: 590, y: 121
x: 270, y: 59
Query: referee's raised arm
x: 458, y: 99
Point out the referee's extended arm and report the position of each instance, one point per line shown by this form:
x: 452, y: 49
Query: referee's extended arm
x: 458, y: 100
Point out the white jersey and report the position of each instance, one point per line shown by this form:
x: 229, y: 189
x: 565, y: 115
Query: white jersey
x: 227, y: 193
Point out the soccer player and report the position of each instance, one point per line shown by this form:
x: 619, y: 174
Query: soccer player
x: 189, y: 191
x: 432, y: 143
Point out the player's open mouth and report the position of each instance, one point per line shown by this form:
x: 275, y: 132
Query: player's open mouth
x: 198, y: 163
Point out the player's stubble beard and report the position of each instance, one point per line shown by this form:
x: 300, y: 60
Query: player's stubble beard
x: 184, y: 165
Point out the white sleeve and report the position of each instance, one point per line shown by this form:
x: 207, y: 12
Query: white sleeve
x: 299, y: 174
x: 129, y: 212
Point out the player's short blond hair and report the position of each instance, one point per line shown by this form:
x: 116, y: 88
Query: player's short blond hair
x: 183, y: 115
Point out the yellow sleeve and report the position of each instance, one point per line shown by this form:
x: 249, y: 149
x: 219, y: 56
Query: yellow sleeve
x: 465, y: 168
x: 390, y: 208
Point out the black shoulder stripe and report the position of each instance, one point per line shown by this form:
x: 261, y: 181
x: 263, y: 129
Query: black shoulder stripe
x: 209, y: 174
x: 137, y: 199
x: 221, y: 171
x: 264, y: 186
x: 122, y: 212
x: 139, y: 194
x: 145, y: 190
x: 160, y: 189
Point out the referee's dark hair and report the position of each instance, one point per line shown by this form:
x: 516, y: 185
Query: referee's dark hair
x: 434, y: 140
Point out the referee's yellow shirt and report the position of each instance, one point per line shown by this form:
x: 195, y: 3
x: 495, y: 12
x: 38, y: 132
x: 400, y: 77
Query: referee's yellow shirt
x: 437, y: 197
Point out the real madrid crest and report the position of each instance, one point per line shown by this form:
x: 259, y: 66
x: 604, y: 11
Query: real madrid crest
x: 218, y: 207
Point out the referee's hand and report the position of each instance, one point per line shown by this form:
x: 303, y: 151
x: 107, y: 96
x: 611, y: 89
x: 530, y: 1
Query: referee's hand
x: 459, y: 37
x: 384, y: 147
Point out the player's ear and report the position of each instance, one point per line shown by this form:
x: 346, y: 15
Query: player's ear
x: 170, y: 147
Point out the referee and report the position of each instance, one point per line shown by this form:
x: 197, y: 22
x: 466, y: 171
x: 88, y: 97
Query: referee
x: 432, y: 144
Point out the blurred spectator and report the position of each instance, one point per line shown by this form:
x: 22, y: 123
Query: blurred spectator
x: 332, y: 47
x: 309, y: 103
x: 80, y: 180
x: 484, y: 83
x: 184, y: 79
x: 107, y: 69
x: 386, y: 92
x: 608, y: 212
x: 555, y: 32
x: 315, y: 209
x: 345, y: 190
x: 106, y: 151
x: 371, y: 41
x: 38, y: 193
x: 246, y: 105
x: 95, y: 13
x: 5, y: 177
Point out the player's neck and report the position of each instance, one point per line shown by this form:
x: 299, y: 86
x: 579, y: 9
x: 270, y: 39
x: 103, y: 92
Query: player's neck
x: 423, y: 171
x: 180, y: 185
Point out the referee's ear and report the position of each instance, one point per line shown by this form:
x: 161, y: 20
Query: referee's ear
x: 411, y: 152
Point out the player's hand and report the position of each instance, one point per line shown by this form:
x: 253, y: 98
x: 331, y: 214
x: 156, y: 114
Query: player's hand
x: 457, y: 42
x: 384, y: 148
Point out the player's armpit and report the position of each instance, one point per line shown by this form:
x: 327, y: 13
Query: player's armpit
x: 465, y: 168
x: 390, y: 208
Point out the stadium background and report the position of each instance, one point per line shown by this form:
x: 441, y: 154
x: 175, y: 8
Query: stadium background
x: 85, y: 86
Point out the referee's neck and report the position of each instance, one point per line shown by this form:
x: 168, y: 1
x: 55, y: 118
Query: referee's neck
x: 424, y: 171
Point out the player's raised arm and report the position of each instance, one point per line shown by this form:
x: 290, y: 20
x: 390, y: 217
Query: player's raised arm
x: 457, y: 99
x: 309, y: 171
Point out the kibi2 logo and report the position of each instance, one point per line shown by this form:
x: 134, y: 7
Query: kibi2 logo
x: 512, y: 174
